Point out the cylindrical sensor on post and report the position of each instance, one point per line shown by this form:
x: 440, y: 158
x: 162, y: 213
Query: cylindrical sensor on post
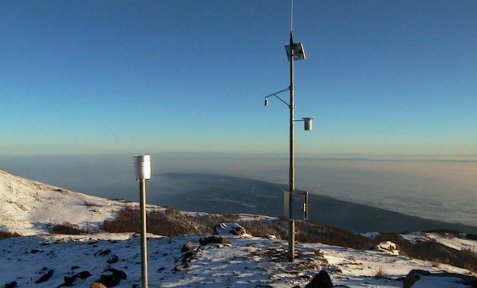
x: 142, y: 166
x: 308, y: 123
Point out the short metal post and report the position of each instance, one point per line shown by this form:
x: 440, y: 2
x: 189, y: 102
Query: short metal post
x: 291, y: 240
x: 142, y: 190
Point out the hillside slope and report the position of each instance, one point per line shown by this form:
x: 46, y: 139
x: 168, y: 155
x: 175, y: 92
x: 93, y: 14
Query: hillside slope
x: 29, y: 207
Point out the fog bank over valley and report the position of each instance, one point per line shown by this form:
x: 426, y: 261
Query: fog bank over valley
x: 443, y: 189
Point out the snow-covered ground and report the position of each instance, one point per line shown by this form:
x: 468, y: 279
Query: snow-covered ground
x: 246, y: 262
x: 28, y: 207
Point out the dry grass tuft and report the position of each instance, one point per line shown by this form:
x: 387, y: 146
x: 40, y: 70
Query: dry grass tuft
x: 67, y: 229
x: 5, y: 235
x: 379, y: 273
x: 169, y: 222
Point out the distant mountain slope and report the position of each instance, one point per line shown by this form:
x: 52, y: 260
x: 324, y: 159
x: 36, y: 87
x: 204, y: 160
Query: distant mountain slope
x: 28, y: 207
x: 224, y: 194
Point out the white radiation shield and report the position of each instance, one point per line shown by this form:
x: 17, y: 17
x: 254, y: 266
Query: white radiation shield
x: 142, y: 167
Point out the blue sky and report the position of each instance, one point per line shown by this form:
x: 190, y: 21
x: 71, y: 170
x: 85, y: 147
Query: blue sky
x: 381, y: 77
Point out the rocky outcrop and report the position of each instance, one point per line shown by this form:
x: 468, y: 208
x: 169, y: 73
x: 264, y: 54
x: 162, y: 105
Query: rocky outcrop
x: 187, y: 247
x: 229, y: 229
x: 214, y: 240
x: 45, y: 277
x: 103, y: 252
x: 113, y: 259
x: 111, y: 277
x: 70, y: 280
x: 321, y: 280
x: 414, y: 276
x: 189, y: 250
x: 11, y: 284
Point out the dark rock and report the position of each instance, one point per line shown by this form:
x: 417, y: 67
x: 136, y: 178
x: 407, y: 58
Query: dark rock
x: 179, y: 268
x: 102, y: 252
x: 237, y: 231
x: 112, y: 278
x: 11, y: 284
x: 82, y: 275
x: 214, y: 240
x: 92, y: 241
x: 321, y: 280
x: 69, y: 281
x: 471, y: 282
x: 414, y: 275
x: 187, y: 247
x: 74, y: 267
x: 45, y: 277
x: 232, y: 228
x: 185, y: 259
x: 113, y: 259
x: 187, y: 256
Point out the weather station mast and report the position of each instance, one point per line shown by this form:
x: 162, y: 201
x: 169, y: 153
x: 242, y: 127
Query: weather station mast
x: 295, y: 51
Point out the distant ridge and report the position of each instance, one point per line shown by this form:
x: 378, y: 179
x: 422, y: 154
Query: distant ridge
x: 230, y: 195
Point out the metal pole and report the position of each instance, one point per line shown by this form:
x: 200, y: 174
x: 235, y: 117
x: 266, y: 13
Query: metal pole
x: 291, y: 224
x: 142, y: 190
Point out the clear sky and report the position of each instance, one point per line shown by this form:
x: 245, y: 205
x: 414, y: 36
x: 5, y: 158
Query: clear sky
x: 381, y: 77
